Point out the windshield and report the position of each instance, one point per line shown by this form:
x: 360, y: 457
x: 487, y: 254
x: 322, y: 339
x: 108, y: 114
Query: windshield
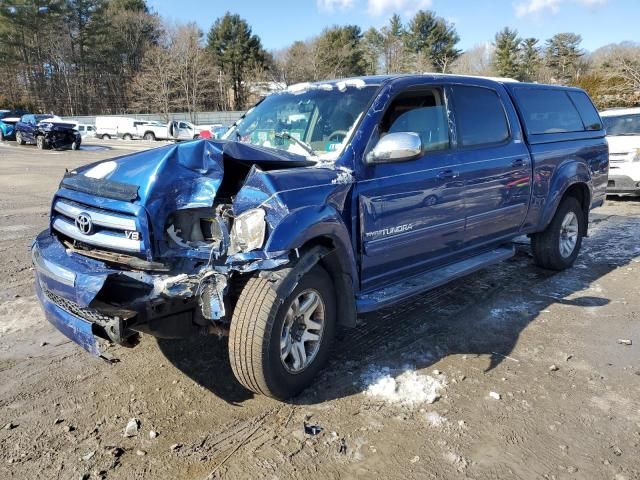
x: 307, y: 119
x: 622, y: 125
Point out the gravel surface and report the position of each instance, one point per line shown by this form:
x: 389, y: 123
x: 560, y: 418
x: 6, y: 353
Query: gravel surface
x: 513, y: 372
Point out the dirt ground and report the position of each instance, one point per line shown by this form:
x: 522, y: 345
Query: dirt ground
x: 565, y: 401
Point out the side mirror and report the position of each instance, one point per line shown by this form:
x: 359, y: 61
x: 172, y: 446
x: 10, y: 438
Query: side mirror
x: 396, y: 147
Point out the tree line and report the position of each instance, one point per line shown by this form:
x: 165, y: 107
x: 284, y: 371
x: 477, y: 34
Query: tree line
x: 77, y: 57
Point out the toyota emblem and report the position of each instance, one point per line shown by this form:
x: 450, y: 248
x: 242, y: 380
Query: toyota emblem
x: 84, y: 223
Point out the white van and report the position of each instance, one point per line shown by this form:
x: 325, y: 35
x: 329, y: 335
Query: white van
x: 116, y: 127
x: 623, y: 135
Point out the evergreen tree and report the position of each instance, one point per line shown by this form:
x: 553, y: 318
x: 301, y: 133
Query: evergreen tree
x: 530, y: 60
x: 563, y: 54
x: 434, y: 38
x: 236, y: 50
x: 507, y: 53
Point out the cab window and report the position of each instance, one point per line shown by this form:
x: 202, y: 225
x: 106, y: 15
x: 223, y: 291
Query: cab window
x: 422, y: 112
x: 480, y: 116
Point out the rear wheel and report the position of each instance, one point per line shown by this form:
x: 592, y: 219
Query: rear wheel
x: 149, y: 136
x: 278, y: 345
x: 557, y: 247
x: 1, y: 135
x: 19, y: 139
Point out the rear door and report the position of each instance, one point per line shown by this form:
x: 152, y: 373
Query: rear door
x: 495, y: 163
x: 411, y: 212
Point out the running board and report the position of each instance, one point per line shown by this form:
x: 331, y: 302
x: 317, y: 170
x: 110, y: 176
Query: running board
x: 404, y: 289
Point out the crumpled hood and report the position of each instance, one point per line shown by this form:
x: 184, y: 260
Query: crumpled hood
x: 187, y: 175
x: 182, y: 176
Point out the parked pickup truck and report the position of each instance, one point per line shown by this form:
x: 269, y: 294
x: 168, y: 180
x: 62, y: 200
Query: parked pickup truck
x: 324, y: 201
x: 174, y: 130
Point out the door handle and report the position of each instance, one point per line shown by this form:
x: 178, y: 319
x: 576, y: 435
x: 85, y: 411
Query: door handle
x: 520, y: 162
x: 446, y: 174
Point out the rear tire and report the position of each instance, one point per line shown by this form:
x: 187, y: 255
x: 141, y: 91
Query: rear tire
x: 1, y: 136
x: 557, y: 247
x: 19, y: 139
x: 149, y: 136
x: 265, y: 330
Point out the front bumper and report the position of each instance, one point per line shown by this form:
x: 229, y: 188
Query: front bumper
x: 622, y: 185
x: 87, y: 300
x: 62, y: 139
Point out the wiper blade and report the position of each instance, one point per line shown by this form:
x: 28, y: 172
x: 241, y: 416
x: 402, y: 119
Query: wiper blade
x: 288, y: 136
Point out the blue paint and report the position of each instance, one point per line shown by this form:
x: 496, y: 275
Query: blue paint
x: 387, y: 221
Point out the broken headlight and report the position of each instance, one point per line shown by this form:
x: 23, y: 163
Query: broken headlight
x: 248, y: 230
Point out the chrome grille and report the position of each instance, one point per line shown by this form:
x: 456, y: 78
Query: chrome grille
x: 105, y: 229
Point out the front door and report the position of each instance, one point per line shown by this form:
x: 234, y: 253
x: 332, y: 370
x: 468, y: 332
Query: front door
x: 411, y: 213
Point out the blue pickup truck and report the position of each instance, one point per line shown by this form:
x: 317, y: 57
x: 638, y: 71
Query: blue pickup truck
x: 322, y: 202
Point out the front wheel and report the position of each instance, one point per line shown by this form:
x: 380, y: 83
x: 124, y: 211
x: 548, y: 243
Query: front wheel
x: 127, y: 137
x: 149, y: 136
x: 40, y: 143
x: 278, y: 345
x: 557, y: 247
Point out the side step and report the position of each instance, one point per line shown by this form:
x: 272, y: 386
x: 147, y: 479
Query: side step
x: 422, y: 282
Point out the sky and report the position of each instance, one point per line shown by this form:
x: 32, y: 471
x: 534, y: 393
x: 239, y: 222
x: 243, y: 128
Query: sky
x: 280, y: 22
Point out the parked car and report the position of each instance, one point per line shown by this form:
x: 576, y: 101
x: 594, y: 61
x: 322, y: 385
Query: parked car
x: 277, y: 239
x: 623, y: 135
x: 8, y: 120
x: 108, y: 127
x: 85, y: 130
x: 47, y: 131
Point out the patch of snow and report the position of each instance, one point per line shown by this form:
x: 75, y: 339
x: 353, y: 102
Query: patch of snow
x: 435, y: 419
x: 409, y: 388
x: 344, y: 177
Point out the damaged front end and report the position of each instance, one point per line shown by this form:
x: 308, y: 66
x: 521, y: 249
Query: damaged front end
x: 161, y: 241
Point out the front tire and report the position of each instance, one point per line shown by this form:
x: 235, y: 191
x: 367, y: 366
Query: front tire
x: 106, y: 137
x: 127, y: 137
x: 40, y: 142
x: 1, y: 136
x: 557, y: 247
x: 149, y: 136
x: 278, y: 345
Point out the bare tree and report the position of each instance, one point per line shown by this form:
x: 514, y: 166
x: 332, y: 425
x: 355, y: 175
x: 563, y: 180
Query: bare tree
x: 478, y: 60
x: 193, y: 67
x: 155, y: 87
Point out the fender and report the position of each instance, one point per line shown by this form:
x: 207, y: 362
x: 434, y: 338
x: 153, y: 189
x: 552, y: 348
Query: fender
x: 569, y: 173
x: 307, y: 223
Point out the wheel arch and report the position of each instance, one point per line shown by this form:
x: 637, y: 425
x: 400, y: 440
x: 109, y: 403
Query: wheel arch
x: 572, y: 179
